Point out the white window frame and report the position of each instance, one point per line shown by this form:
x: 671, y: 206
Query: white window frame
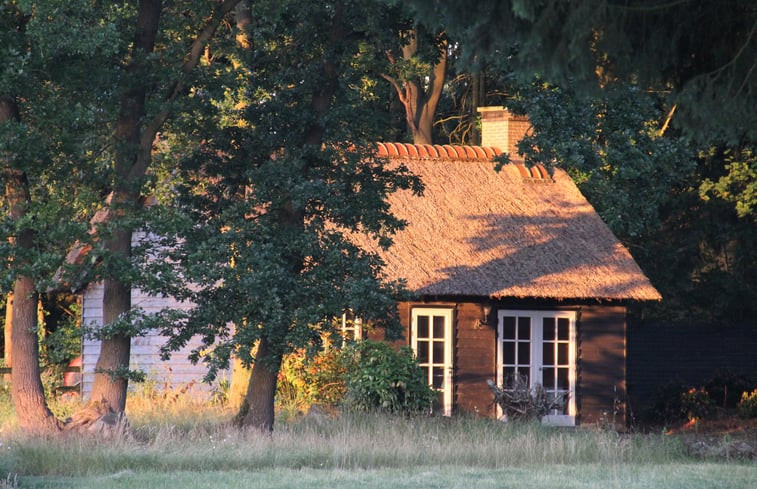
x: 536, y: 360
x: 449, y: 317
x: 352, y: 329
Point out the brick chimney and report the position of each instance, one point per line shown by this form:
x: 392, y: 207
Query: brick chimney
x: 503, y: 130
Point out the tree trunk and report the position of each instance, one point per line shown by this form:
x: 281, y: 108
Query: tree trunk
x: 7, y: 353
x: 28, y: 394
x: 261, y: 393
x: 134, y: 138
x: 114, y: 351
x: 131, y: 163
x: 419, y: 103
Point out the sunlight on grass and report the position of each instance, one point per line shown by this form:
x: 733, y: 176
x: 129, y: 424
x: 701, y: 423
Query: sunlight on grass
x: 693, y: 476
x: 177, y: 441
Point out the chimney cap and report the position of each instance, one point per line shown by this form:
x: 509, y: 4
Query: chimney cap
x: 500, y: 112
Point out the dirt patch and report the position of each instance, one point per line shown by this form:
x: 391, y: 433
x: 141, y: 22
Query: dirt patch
x: 730, y: 438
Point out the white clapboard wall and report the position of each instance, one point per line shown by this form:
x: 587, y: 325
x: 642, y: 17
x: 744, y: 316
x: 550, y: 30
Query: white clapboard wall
x: 177, y: 372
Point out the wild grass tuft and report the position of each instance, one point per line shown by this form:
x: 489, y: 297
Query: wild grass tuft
x: 366, y: 441
x: 172, y: 430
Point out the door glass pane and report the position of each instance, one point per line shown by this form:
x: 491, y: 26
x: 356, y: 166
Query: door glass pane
x: 508, y: 353
x: 422, y: 347
x: 439, y: 327
x: 422, y: 326
x: 438, y: 378
x: 438, y: 357
x: 525, y: 372
x: 548, y: 378
x: 562, y: 378
x: 508, y: 328
x: 524, y: 353
x: 524, y: 328
x: 563, y: 329
x: 548, y: 354
x: 562, y: 353
x: 549, y: 329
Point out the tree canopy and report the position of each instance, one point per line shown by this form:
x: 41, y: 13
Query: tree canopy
x: 699, y: 53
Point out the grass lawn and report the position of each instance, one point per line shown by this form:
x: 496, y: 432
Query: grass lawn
x: 186, y: 446
x: 690, y: 476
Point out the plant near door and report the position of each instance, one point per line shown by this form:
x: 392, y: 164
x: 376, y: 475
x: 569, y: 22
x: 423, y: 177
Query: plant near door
x: 520, y: 402
x: 384, y: 379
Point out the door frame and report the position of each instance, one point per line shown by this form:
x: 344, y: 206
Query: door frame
x: 536, y: 360
x: 449, y: 316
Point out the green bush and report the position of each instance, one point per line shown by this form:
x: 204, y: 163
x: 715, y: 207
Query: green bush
x: 725, y: 388
x: 380, y: 378
x: 696, y: 404
x: 748, y: 405
x: 676, y: 402
x: 306, y: 379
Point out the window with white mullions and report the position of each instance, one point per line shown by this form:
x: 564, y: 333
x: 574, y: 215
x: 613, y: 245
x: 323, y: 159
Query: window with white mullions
x: 556, y: 364
x: 431, y: 340
x: 352, y: 327
x: 516, y: 347
x: 540, y: 348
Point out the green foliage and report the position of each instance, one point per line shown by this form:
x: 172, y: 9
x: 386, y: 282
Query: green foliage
x: 704, y: 67
x: 725, y: 388
x: 645, y: 185
x: 306, y: 379
x: 386, y: 380
x: 64, y: 344
x: 611, y: 146
x: 739, y: 185
x: 748, y: 404
x: 696, y: 404
x: 283, y: 171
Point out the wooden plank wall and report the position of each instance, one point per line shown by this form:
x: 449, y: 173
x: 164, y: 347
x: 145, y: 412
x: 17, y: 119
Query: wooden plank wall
x: 689, y: 354
x: 475, y: 360
x: 601, y: 395
x: 145, y: 350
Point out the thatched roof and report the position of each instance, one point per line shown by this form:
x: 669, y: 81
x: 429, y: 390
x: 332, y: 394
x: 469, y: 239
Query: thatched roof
x: 515, y: 233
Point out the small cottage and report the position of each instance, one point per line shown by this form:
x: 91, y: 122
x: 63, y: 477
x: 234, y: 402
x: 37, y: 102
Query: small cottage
x: 512, y: 273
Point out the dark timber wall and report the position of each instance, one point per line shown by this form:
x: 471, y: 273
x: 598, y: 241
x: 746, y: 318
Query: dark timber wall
x: 601, y: 382
x: 689, y: 354
x: 475, y: 360
x: 601, y: 363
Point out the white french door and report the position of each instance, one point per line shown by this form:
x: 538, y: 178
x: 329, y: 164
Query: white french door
x: 540, y: 346
x: 431, y: 340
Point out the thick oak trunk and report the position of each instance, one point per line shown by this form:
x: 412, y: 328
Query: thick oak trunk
x: 7, y: 350
x: 131, y: 163
x: 28, y: 394
x: 420, y: 97
x: 261, y: 392
x: 116, y: 350
x: 134, y: 137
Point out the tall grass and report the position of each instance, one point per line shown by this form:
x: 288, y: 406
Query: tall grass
x: 349, y: 442
x: 172, y: 430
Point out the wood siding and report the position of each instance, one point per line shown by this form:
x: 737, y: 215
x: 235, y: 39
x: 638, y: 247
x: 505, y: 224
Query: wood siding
x: 661, y: 354
x: 475, y: 360
x: 145, y: 350
x: 600, y: 366
x: 601, y: 386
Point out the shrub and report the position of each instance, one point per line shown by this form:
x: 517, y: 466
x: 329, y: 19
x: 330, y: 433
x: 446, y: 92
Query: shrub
x: 696, y: 404
x: 748, y: 405
x: 675, y: 402
x: 380, y: 378
x: 725, y: 387
x: 521, y: 402
x: 306, y: 379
